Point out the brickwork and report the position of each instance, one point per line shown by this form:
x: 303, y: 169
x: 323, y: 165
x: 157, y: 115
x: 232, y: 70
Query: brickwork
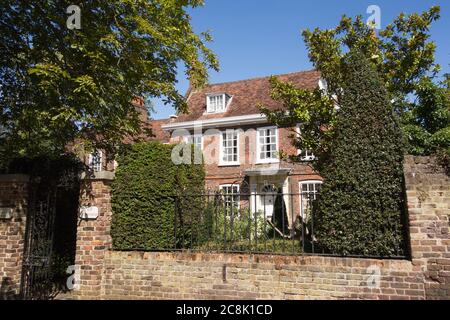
x: 428, y: 192
x: 93, y: 237
x: 13, y: 194
x: 107, y: 274
x: 141, y: 275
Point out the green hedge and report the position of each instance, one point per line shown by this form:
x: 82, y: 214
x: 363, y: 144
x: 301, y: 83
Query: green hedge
x: 143, y: 197
x: 362, y: 200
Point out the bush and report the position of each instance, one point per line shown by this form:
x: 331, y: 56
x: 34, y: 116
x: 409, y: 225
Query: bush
x: 280, y: 218
x: 144, y: 195
x: 361, y: 204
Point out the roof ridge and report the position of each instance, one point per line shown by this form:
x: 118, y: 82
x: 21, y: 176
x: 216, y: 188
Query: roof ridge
x: 262, y: 77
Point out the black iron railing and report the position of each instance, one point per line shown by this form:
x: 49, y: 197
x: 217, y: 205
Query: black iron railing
x: 269, y: 223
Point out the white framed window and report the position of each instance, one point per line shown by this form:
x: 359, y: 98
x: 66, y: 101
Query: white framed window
x: 216, y: 103
x: 96, y: 161
x: 309, y: 190
x: 196, y: 140
x: 267, y: 144
x: 305, y: 154
x: 229, y: 147
x: 231, y: 197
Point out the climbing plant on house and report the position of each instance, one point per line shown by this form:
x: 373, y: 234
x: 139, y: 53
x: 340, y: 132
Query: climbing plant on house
x: 361, y: 203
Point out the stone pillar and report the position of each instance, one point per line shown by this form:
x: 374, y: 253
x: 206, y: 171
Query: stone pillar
x: 93, y: 236
x: 428, y: 194
x: 13, y: 210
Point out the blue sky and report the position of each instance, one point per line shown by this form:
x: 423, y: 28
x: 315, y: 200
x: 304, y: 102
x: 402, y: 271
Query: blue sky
x: 255, y: 38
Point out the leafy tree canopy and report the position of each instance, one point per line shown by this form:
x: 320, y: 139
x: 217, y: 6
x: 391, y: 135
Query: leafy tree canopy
x: 60, y: 84
x: 404, y: 57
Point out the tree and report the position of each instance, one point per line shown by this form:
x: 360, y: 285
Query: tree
x: 427, y: 126
x: 361, y: 203
x: 59, y: 84
x: 279, y: 217
x: 403, y: 55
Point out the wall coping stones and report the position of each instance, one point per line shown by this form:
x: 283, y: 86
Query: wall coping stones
x: 101, y: 175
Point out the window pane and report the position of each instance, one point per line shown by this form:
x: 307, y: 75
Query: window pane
x: 230, y: 146
x: 268, y: 143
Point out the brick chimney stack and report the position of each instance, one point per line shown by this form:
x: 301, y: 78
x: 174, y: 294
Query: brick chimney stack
x: 139, y: 104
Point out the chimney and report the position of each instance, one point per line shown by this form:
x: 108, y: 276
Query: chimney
x: 173, y: 117
x: 139, y: 104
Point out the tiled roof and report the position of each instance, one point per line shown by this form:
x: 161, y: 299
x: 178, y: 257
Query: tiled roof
x: 158, y: 133
x: 247, y: 94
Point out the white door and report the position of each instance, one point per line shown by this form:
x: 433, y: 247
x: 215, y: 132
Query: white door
x: 267, y: 199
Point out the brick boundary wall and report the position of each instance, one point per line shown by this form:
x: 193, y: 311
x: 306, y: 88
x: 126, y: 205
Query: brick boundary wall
x: 428, y: 194
x: 93, y: 236
x: 13, y: 194
x: 107, y: 274
x: 151, y: 275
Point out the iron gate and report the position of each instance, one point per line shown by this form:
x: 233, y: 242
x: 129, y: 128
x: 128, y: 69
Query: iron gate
x: 53, y: 185
x: 36, y: 282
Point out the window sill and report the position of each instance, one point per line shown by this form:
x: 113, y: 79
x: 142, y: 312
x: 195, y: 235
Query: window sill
x: 231, y: 164
x: 268, y: 162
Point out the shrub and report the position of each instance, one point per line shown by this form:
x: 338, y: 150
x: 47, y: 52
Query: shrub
x: 280, y: 218
x: 361, y: 203
x: 144, y: 195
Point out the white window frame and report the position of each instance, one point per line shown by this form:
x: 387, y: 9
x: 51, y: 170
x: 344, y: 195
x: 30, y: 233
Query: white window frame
x: 221, y: 149
x: 97, y: 167
x: 186, y: 139
x: 230, y: 185
x: 300, y: 184
x: 223, y: 107
x: 309, y: 155
x: 258, y: 146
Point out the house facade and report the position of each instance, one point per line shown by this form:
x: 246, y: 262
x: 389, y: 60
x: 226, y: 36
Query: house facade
x: 241, y: 148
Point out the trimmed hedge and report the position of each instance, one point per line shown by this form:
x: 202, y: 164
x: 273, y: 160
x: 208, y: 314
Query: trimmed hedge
x: 143, y: 198
x: 362, y: 200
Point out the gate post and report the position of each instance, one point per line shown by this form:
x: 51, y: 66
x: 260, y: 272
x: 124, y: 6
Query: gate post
x: 93, y: 235
x: 13, y: 211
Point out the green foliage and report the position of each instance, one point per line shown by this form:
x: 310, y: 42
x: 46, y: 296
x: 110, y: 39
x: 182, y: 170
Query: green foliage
x: 404, y: 57
x: 225, y: 224
x: 243, y: 231
x: 360, y: 207
x: 427, y: 126
x: 58, y: 84
x: 144, y: 195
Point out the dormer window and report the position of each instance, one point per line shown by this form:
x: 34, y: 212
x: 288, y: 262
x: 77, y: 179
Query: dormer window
x: 216, y: 103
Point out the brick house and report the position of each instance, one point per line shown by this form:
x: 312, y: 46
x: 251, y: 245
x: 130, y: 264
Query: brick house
x: 240, y: 147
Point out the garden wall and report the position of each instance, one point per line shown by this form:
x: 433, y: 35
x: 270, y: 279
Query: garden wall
x: 13, y: 206
x: 107, y: 274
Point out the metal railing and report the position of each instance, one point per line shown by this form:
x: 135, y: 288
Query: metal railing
x: 267, y: 223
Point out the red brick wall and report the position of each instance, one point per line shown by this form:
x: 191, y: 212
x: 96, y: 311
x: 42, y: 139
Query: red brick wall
x: 13, y: 194
x: 93, y: 238
x: 140, y: 275
x: 218, y: 174
x: 109, y: 274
